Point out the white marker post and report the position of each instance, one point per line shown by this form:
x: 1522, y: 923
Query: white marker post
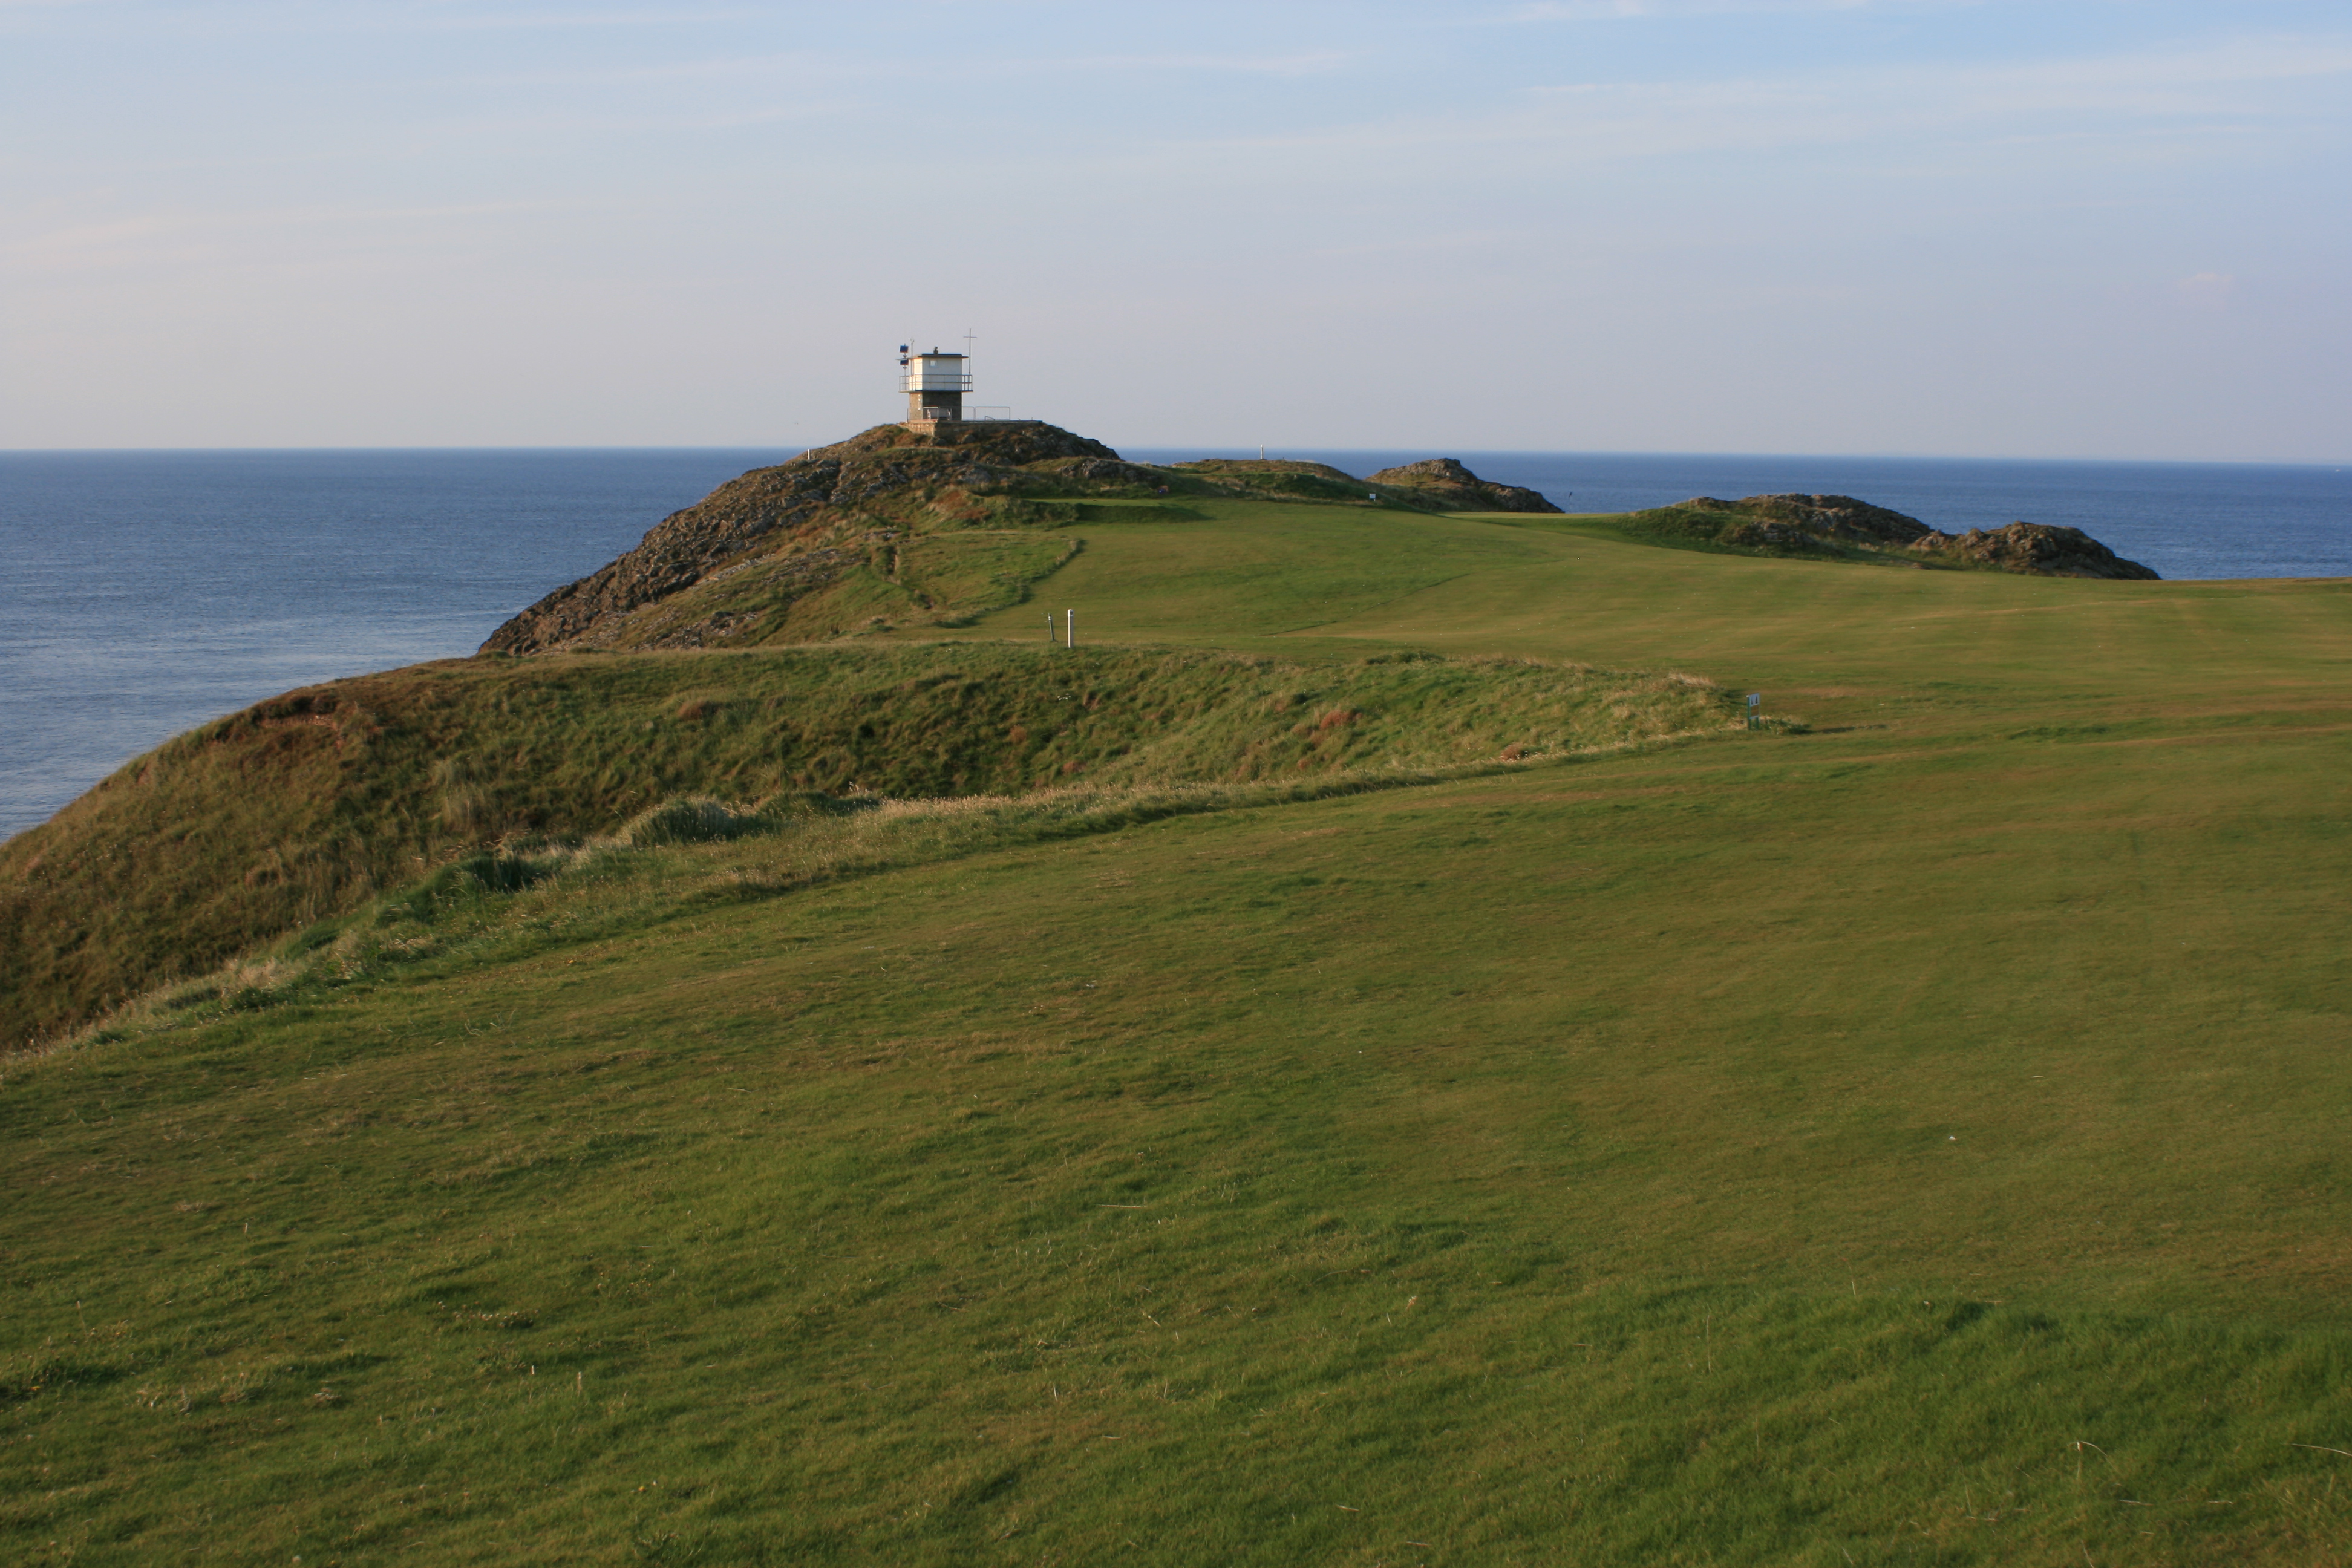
x: 1070, y: 628
x: 1049, y: 629
x: 1754, y: 709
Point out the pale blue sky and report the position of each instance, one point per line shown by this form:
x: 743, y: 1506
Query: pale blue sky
x: 2064, y: 228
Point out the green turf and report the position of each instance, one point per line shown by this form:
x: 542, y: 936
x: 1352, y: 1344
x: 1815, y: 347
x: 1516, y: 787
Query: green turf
x: 1915, y: 1141
x: 921, y: 579
x: 304, y: 807
x: 1232, y: 573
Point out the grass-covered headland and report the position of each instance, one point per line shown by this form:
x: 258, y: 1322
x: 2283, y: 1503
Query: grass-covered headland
x: 935, y: 1100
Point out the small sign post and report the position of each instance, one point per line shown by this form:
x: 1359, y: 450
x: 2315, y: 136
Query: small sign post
x: 1049, y: 629
x: 1754, y: 709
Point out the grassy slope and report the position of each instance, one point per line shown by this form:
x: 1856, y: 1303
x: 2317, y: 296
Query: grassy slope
x: 1240, y: 574
x: 304, y: 807
x: 923, y: 580
x: 1913, y: 1142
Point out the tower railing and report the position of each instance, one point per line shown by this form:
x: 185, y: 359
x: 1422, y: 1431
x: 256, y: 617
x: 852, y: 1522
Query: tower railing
x: 934, y: 381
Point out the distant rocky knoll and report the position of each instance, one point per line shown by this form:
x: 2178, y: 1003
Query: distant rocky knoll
x: 1433, y: 484
x: 1279, y: 479
x: 895, y: 527
x: 1446, y: 481
x: 2037, y: 548
x: 1841, y: 525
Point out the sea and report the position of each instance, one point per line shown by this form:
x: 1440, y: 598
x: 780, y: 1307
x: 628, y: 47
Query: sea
x: 144, y: 593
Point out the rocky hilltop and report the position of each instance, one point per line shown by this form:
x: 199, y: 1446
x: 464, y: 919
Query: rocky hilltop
x: 1447, y: 480
x: 1842, y: 525
x: 821, y: 516
x: 1433, y: 484
x: 2036, y: 548
x: 895, y: 527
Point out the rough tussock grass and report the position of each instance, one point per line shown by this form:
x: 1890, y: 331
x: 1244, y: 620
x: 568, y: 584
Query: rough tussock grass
x: 695, y: 851
x: 312, y: 804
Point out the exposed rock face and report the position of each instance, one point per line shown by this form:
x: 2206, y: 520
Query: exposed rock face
x: 1832, y: 517
x: 825, y: 504
x: 1445, y: 482
x: 1821, y: 524
x: 2036, y: 548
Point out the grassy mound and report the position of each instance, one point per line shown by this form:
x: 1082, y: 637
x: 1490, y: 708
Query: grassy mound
x: 308, y: 804
x: 1768, y: 526
x: 1841, y: 528
x: 881, y: 582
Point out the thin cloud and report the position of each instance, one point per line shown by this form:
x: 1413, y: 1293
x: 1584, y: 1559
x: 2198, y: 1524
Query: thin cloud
x: 2230, y: 86
x: 1255, y: 65
x: 1611, y: 10
x: 437, y: 19
x: 802, y: 67
x: 2237, y: 62
x: 715, y: 67
x: 182, y: 235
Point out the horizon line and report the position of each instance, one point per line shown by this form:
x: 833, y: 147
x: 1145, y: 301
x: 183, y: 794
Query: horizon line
x: 2339, y: 465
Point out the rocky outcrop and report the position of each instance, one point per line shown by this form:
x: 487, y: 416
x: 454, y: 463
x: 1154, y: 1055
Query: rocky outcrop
x: 1287, y: 480
x: 1444, y: 483
x: 1823, y: 517
x: 1831, y: 525
x: 1245, y: 469
x: 1434, y: 484
x: 2032, y: 547
x: 825, y: 504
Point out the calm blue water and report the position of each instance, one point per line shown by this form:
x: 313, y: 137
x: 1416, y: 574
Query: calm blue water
x: 147, y: 592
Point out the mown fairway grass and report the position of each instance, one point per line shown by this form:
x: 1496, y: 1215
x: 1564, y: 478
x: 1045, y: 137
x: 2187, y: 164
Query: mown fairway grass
x: 1919, y: 1141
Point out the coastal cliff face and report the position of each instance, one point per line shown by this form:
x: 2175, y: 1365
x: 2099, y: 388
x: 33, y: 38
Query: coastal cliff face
x: 1446, y: 481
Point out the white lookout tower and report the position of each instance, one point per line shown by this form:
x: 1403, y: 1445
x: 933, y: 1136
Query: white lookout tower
x: 934, y: 383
